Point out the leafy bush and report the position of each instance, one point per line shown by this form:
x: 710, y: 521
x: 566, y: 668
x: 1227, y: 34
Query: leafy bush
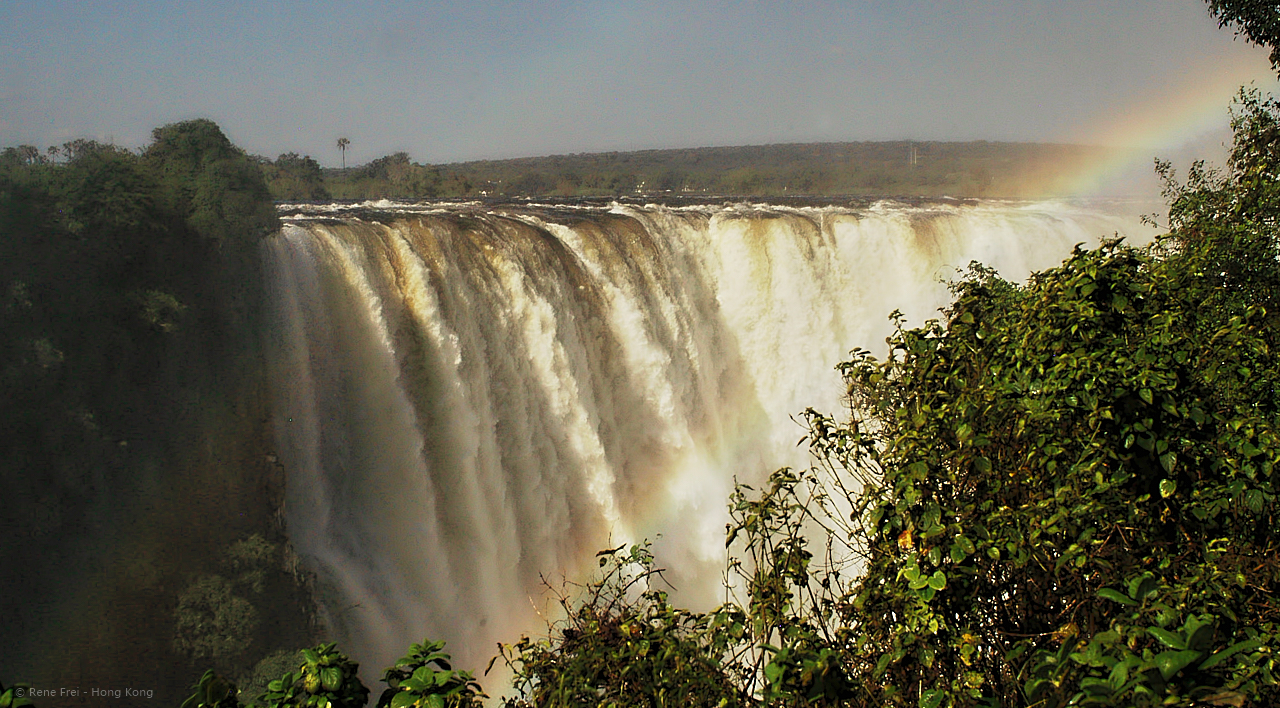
x: 622, y: 643
x: 424, y: 678
x: 326, y: 679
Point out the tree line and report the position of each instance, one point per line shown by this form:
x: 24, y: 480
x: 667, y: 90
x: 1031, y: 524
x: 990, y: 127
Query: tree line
x: 869, y: 169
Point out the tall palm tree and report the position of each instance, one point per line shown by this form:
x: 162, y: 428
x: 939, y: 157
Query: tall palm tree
x: 342, y: 145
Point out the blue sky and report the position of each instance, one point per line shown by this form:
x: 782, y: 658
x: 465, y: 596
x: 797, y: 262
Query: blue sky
x: 456, y: 81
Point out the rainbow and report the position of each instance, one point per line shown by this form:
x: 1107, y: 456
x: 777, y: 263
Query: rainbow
x: 1185, y: 122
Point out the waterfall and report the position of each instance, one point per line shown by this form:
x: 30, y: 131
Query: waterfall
x: 471, y: 400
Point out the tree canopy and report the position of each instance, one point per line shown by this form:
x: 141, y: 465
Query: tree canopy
x: 1257, y: 20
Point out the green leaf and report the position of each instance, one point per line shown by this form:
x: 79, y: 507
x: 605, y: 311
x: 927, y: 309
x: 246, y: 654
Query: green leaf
x: 1095, y: 686
x: 1115, y: 596
x: 331, y: 678
x: 403, y: 699
x: 932, y: 698
x: 938, y: 580
x: 1034, y: 688
x: 1169, y: 639
x: 1219, y: 657
x: 416, y: 685
x: 1119, y: 675
x: 773, y: 672
x: 1171, y: 662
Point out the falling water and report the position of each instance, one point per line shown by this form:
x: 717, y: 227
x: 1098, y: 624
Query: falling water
x: 473, y: 399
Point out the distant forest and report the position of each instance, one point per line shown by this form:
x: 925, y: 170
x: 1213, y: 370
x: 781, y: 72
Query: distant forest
x: 863, y: 169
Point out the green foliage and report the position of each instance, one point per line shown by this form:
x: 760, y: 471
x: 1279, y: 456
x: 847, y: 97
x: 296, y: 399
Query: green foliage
x: 1091, y: 429
x: 785, y: 634
x: 623, y: 644
x: 216, y: 618
x: 424, y: 678
x: 213, y: 185
x: 868, y: 169
x: 212, y: 691
x: 392, y: 177
x: 15, y: 696
x: 271, y: 667
x: 212, y: 622
x: 294, y: 178
x: 1257, y: 20
x: 326, y: 678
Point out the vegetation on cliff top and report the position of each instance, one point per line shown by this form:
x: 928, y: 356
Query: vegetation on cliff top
x: 866, y: 169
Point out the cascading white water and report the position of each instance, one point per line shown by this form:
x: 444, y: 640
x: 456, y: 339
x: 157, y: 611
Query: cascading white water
x: 470, y: 400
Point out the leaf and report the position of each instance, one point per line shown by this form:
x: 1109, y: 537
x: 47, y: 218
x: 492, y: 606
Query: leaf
x: 1119, y: 675
x: 1034, y: 688
x: 938, y: 580
x: 1115, y: 596
x: 1095, y: 686
x: 773, y: 672
x: 331, y: 678
x: 1169, y: 639
x: 932, y: 698
x: 1171, y: 662
x: 1219, y: 657
x: 403, y: 699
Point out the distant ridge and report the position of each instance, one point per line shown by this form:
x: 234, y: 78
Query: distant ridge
x: 863, y: 169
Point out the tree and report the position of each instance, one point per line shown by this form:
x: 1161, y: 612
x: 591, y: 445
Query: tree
x: 212, y: 183
x: 295, y: 177
x: 1257, y: 20
x: 342, y: 145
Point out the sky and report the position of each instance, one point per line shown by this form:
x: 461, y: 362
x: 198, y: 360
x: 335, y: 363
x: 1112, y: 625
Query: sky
x: 455, y: 81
